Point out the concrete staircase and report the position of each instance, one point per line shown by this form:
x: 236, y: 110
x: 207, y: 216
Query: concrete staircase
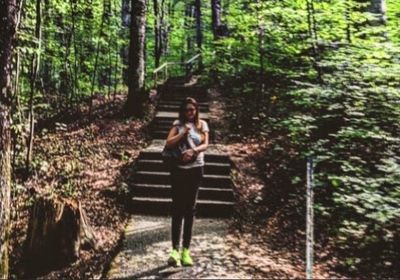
x: 151, y: 189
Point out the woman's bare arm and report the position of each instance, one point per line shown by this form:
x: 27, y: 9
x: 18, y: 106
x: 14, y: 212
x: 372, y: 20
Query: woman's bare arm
x: 174, y: 137
x: 202, y: 147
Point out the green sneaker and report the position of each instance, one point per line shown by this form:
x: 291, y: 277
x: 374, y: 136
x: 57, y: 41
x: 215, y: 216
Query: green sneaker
x: 174, y: 259
x: 186, y: 258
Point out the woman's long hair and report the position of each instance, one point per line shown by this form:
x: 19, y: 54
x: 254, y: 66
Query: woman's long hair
x: 182, y: 111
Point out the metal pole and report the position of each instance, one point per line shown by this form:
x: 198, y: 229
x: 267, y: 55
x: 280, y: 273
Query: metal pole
x: 310, y: 219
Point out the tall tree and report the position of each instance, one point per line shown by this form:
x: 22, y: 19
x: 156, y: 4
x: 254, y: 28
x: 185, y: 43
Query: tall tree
x: 136, y: 71
x: 199, y: 30
x: 199, y: 27
x: 378, y: 7
x: 9, y: 19
x: 35, y: 65
x: 160, y: 30
x: 216, y: 16
x: 126, y: 23
x: 313, y: 34
x: 157, y: 34
x: 189, y: 9
x: 104, y: 18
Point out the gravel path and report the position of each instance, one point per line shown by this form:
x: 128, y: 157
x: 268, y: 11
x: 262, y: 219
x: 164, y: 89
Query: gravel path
x: 147, y: 244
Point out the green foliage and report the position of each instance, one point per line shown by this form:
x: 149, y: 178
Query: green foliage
x: 349, y: 118
x: 73, y: 32
x: 332, y: 77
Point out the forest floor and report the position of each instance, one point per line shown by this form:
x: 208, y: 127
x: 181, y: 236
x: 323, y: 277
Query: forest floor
x: 89, y: 162
x: 92, y: 162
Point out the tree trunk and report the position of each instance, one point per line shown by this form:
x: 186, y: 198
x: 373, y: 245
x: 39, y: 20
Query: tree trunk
x: 136, y: 71
x: 75, y: 84
x: 378, y: 7
x: 57, y: 229
x: 96, y: 61
x: 157, y: 34
x: 313, y: 33
x: 261, y: 51
x: 199, y: 31
x: 9, y: 19
x: 348, y: 20
x: 216, y: 16
x: 116, y: 68
x: 34, y: 81
x: 188, y: 29
x: 164, y: 25
x: 126, y: 23
x: 5, y: 184
x: 126, y: 13
x: 199, y: 28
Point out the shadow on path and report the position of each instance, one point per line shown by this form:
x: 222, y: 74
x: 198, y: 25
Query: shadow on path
x: 147, y: 245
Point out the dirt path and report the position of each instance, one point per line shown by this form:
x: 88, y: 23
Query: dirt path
x: 147, y: 244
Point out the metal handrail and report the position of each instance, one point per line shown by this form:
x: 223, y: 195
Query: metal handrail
x: 160, y: 67
x: 193, y: 58
x: 164, y: 68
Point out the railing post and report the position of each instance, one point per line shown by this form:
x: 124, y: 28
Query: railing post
x: 200, y: 64
x: 310, y: 219
x: 187, y: 70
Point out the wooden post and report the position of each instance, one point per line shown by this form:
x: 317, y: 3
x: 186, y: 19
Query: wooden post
x: 310, y: 219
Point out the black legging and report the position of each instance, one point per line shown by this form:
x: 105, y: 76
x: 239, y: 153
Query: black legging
x: 185, y: 186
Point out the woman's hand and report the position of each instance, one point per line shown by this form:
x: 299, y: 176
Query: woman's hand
x: 186, y: 128
x: 188, y: 154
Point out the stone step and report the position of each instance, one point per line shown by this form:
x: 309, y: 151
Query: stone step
x: 158, y: 135
x: 176, y: 80
x: 167, y: 121
x: 162, y: 206
x: 159, y: 177
x: 175, y: 108
x: 164, y: 191
x: 161, y: 125
x: 158, y: 165
x: 175, y: 102
x: 151, y: 188
x: 181, y: 97
x: 208, y: 156
x: 182, y: 89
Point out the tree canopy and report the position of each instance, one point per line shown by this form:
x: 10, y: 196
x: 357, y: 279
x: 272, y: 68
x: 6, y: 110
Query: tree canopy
x: 317, y: 78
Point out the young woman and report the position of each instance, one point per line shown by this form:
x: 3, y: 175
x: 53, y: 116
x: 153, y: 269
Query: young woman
x: 186, y: 178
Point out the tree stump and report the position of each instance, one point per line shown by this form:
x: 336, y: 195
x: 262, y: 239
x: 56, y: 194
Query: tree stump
x: 57, y: 230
